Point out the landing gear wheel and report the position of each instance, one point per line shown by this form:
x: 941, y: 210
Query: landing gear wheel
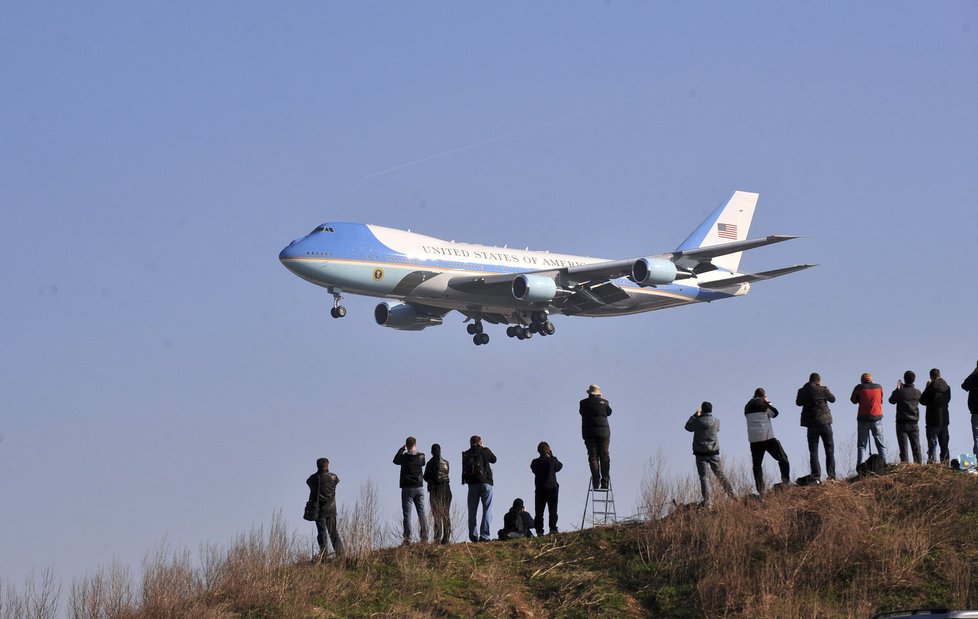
x: 539, y: 316
x: 519, y: 333
x: 527, y: 334
x: 476, y: 340
x: 332, y: 312
x: 548, y: 328
x: 483, y: 338
x: 471, y: 328
x: 534, y: 327
x: 340, y: 311
x: 510, y: 331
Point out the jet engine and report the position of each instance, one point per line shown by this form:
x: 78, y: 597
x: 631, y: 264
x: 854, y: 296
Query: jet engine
x: 403, y: 317
x: 653, y: 271
x: 534, y: 288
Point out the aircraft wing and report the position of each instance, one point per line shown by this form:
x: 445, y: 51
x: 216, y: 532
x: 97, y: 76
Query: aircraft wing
x: 753, y: 277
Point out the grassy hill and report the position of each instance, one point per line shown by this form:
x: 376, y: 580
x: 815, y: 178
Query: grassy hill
x: 903, y: 540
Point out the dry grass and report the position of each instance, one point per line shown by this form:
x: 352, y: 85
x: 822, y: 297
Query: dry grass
x: 849, y: 549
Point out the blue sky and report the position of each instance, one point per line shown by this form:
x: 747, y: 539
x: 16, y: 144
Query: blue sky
x: 165, y: 377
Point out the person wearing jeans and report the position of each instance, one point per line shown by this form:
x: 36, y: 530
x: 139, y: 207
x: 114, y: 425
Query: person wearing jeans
x: 869, y: 416
x: 412, y: 487
x: 935, y: 398
x: 970, y: 385
x: 477, y: 474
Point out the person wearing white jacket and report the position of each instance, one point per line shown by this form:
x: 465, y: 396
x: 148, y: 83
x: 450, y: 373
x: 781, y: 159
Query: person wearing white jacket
x: 759, y: 411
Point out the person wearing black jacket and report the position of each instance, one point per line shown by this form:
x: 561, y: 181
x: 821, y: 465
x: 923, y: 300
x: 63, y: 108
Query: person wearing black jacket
x: 516, y: 523
x: 439, y: 494
x: 596, y: 432
x: 907, y: 397
x: 935, y: 398
x: 322, y: 492
x: 411, y: 462
x: 545, y: 470
x: 814, y: 400
x: 477, y: 474
x: 970, y: 385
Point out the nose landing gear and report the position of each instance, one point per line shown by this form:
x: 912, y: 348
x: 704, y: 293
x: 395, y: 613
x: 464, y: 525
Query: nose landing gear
x: 337, y: 311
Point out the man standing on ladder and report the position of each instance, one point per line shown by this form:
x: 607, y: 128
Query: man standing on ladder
x: 596, y: 432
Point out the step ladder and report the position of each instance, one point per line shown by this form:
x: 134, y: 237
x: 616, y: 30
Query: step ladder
x: 602, y: 502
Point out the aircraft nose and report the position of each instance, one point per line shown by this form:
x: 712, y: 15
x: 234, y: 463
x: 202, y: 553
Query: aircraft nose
x: 291, y: 251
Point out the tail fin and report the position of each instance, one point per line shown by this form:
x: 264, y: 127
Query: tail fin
x: 728, y: 222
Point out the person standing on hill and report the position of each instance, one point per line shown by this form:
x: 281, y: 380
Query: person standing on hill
x: 322, y: 493
x: 759, y: 411
x: 706, y: 448
x: 411, y: 462
x: 596, y: 432
x: 869, y: 416
x: 477, y: 473
x: 936, y: 397
x: 439, y: 495
x: 814, y: 400
x: 907, y: 398
x: 970, y: 385
x: 545, y: 470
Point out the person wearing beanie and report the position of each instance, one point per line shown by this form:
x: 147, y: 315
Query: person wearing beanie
x: 436, y: 473
x: 706, y: 448
x: 516, y: 523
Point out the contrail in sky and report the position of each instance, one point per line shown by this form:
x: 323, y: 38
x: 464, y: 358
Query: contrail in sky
x: 606, y: 106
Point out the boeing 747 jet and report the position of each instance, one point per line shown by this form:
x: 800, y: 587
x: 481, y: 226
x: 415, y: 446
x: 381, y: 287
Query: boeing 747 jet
x: 423, y: 278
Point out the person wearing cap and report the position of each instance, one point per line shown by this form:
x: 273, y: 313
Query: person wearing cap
x: 906, y: 397
x: 517, y: 522
x: 706, y: 448
x: 596, y: 432
x: 322, y: 492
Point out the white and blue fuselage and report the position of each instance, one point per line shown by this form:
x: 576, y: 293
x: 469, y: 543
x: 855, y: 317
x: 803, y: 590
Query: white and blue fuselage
x: 423, y: 278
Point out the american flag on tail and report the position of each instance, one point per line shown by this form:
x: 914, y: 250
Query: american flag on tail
x: 727, y: 231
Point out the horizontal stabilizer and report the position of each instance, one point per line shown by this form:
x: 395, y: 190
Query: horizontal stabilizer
x: 702, y: 254
x: 754, y: 277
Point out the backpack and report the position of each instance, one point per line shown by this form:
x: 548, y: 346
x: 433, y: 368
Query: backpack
x: 513, y: 522
x: 472, y: 471
x: 442, y: 476
x: 872, y: 466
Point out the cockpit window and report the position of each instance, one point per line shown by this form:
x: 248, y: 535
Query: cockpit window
x: 323, y: 229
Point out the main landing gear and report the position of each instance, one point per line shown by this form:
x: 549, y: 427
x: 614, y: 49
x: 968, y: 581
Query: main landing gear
x: 337, y: 311
x: 539, y: 323
x: 479, y: 337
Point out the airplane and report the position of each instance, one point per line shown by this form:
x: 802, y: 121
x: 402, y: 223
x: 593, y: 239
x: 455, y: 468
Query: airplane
x: 423, y: 278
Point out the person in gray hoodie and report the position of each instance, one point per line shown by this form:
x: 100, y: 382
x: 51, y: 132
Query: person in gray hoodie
x: 759, y: 411
x: 907, y: 397
x: 936, y: 397
x: 706, y: 448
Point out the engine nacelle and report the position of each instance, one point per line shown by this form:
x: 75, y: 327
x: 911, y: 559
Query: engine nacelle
x: 534, y: 288
x: 403, y: 316
x: 653, y: 271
